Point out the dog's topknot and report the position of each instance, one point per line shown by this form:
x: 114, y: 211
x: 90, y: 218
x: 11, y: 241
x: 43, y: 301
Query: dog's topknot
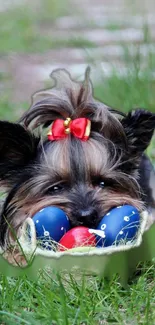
x: 69, y: 98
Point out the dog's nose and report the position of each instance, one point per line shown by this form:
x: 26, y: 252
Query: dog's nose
x: 87, y: 214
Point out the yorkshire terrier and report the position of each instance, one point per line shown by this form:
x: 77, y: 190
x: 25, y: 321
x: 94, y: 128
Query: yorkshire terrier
x: 71, y: 151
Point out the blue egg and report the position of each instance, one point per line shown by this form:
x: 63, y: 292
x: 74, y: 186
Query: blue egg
x: 51, y: 223
x: 119, y: 224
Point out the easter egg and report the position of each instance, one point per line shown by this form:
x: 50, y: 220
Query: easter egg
x: 51, y: 223
x: 119, y: 224
x: 77, y: 237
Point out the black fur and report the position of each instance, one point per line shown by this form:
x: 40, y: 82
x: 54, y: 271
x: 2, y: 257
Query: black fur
x: 18, y: 148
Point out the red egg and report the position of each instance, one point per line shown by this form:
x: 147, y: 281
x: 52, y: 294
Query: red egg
x: 77, y: 237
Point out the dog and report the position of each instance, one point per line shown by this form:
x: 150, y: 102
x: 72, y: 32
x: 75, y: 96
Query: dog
x: 71, y: 151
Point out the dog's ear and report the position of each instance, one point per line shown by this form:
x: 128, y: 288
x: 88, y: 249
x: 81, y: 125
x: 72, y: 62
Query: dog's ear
x: 139, y: 126
x: 17, y: 149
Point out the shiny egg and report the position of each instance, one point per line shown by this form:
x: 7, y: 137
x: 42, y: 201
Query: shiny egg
x: 119, y: 225
x: 77, y: 237
x: 51, y: 223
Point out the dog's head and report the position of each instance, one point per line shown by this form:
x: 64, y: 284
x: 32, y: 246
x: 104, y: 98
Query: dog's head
x: 84, y: 178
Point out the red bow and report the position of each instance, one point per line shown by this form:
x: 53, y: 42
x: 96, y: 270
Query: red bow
x: 79, y: 127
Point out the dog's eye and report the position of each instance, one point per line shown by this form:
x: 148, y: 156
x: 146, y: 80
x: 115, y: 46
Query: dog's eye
x: 104, y: 182
x: 101, y: 184
x: 98, y: 182
x: 55, y: 189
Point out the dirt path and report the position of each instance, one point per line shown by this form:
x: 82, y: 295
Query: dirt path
x: 105, y: 24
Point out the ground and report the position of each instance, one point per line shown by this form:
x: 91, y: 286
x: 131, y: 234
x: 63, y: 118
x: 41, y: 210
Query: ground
x: 116, y: 38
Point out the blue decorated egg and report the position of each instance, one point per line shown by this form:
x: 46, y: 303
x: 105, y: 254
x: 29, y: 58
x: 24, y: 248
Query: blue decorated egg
x: 51, y: 223
x: 119, y: 224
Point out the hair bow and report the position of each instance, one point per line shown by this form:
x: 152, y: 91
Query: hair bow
x: 79, y: 128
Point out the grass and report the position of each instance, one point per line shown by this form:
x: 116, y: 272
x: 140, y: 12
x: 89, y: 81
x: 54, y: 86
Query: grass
x: 19, y: 32
x: 113, y: 26
x: 23, y: 29
x: 78, y: 42
x: 136, y: 88
x: 64, y: 299
x: 50, y: 10
x: 126, y: 93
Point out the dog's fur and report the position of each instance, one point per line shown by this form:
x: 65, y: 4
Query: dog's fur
x: 85, y: 179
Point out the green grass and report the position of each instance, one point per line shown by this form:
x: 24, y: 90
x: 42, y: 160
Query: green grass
x: 68, y: 299
x: 79, y: 42
x: 50, y: 10
x: 17, y: 32
x: 21, y: 27
x: 120, y: 94
x: 113, y: 26
x: 126, y: 93
x: 8, y: 109
x: 135, y: 89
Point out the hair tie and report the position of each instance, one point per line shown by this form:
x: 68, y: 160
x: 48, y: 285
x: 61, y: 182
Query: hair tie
x: 79, y: 128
